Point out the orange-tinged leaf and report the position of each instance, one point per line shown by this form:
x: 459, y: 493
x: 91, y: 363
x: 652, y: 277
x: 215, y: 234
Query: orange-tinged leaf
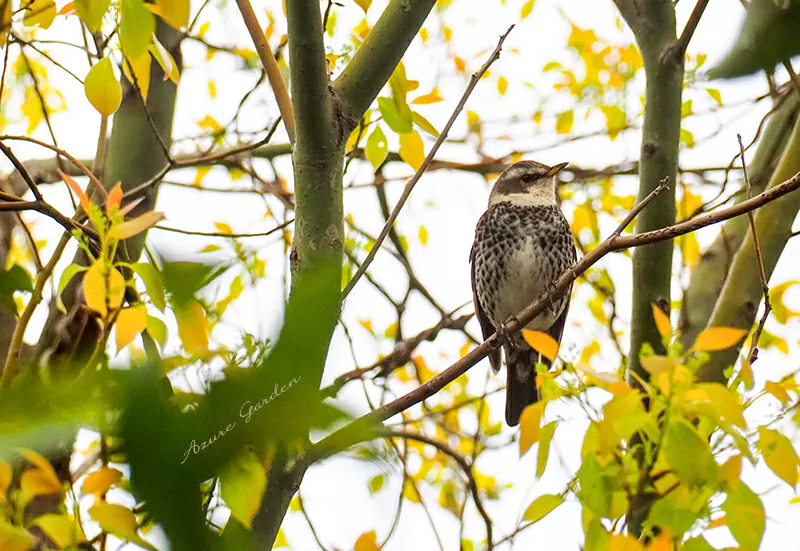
x: 662, y: 322
x: 460, y: 64
x: 130, y: 322
x: 101, y: 480
x: 542, y: 506
x: 64, y: 531
x: 662, y: 542
x: 624, y: 542
x: 530, y: 426
x: 718, y: 338
x: 76, y: 189
x: 412, y: 150
x: 103, y: 90
x: 5, y: 478
x: 432, y: 97
x: 114, y: 197
x: 543, y: 343
x: 364, y: 4
x: 136, y: 226
x: 193, y: 327
x: 36, y: 482
x: 68, y: 9
x: 731, y: 471
x: 368, y: 541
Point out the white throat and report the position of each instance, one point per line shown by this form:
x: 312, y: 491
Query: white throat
x: 538, y: 196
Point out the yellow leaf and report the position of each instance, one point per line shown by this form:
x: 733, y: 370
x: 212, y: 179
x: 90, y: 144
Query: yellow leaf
x: 210, y: 123
x: 242, y: 485
x: 223, y: 227
x: 6, y: 472
x: 412, y: 150
x: 100, y: 481
x: 527, y: 8
x: 726, y: 405
x: 116, y: 289
x: 136, y: 226
x: 119, y: 521
x: 5, y: 22
x: 94, y: 289
x: 542, y: 343
x: 502, y: 85
x: 102, y: 88
x: 174, y: 12
x: 530, y: 426
x: 731, y: 471
x: 14, y: 538
x: 423, y: 235
x: 656, y: 365
x: 35, y: 482
x: 368, y: 541
x: 662, y: 322
x: 364, y: 4
x: 545, y: 438
x: 542, y: 506
x: 460, y: 64
x: 410, y: 491
x: 39, y: 12
x: 130, y: 322
x: 137, y: 71
x: 779, y: 455
x: 64, y: 531
x: 778, y: 391
x: 193, y: 327
x: 432, y: 97
x: 718, y: 338
x: 564, y: 122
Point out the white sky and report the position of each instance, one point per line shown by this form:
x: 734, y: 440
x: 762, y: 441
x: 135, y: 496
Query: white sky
x: 448, y: 204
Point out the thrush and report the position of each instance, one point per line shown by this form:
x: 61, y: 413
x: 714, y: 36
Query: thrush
x: 523, y: 244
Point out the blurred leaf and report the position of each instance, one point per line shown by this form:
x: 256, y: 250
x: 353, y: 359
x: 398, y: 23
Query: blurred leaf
x: 686, y: 452
x: 242, y: 484
x: 91, y: 12
x: 770, y: 35
x: 426, y: 99
x: 746, y: 518
x: 377, y: 148
x: 64, y: 531
x: 530, y: 425
x: 779, y: 455
x: 545, y: 438
x: 527, y: 8
x: 368, y: 541
x: 119, y: 521
x: 137, y: 71
x: 192, y: 327
x: 101, y: 480
x: 136, y: 226
x: 15, y: 279
x: 398, y: 122
x: 412, y: 150
x: 103, y: 90
x: 423, y: 123
x: 39, y: 12
x: 182, y: 280
x: 663, y: 324
x: 14, y: 538
x: 136, y: 28
x: 718, y: 338
x: 376, y: 483
x: 541, y: 507
x: 130, y: 322
x: 157, y: 329
x: 564, y: 122
x: 174, y: 12
x: 152, y: 283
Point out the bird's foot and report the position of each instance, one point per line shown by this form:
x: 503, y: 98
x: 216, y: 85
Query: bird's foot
x: 502, y: 332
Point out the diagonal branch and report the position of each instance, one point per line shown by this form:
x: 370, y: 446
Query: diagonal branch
x: 424, y: 166
x: 360, y: 429
x: 691, y: 25
x: 376, y: 59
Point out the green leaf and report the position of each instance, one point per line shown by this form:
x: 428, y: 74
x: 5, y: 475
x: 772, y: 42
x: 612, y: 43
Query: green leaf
x: 687, y: 453
x: 136, y: 28
x: 377, y: 148
x: 242, y: 485
x: 69, y: 272
x: 376, y: 483
x: 545, y: 437
x: 423, y: 123
x: 157, y: 329
x: 542, y: 506
x: 91, y: 12
x: 16, y: 279
x: 39, y: 12
x: 398, y: 122
x: 745, y: 517
x: 152, y: 282
x: 103, y: 90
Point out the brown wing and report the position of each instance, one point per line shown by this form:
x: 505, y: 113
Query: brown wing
x: 486, y: 325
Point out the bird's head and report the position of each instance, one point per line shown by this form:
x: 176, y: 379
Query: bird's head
x: 527, y: 183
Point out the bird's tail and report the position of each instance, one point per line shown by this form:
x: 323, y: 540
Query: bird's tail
x: 521, y: 388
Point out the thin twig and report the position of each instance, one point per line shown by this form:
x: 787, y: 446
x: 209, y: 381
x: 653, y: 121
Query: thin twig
x: 752, y: 355
x: 270, y: 66
x: 465, y: 466
x: 36, y: 297
x: 792, y: 75
x: 227, y: 235
x: 424, y: 166
x: 21, y: 169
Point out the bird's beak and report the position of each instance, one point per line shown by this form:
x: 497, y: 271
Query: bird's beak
x: 556, y: 169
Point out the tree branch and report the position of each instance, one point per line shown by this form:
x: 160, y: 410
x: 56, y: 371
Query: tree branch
x: 270, y: 66
x: 691, y: 26
x: 425, y: 164
x: 376, y: 59
x: 359, y: 430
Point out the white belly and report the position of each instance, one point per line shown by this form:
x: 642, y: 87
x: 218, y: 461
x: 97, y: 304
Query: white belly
x: 524, y: 282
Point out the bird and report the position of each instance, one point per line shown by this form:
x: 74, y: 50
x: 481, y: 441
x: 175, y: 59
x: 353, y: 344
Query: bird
x: 523, y: 244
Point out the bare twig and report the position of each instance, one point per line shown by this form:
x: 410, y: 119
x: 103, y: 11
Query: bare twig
x: 465, y: 466
x: 428, y: 159
x: 270, y: 66
x: 691, y: 26
x: 752, y: 355
x: 226, y: 235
